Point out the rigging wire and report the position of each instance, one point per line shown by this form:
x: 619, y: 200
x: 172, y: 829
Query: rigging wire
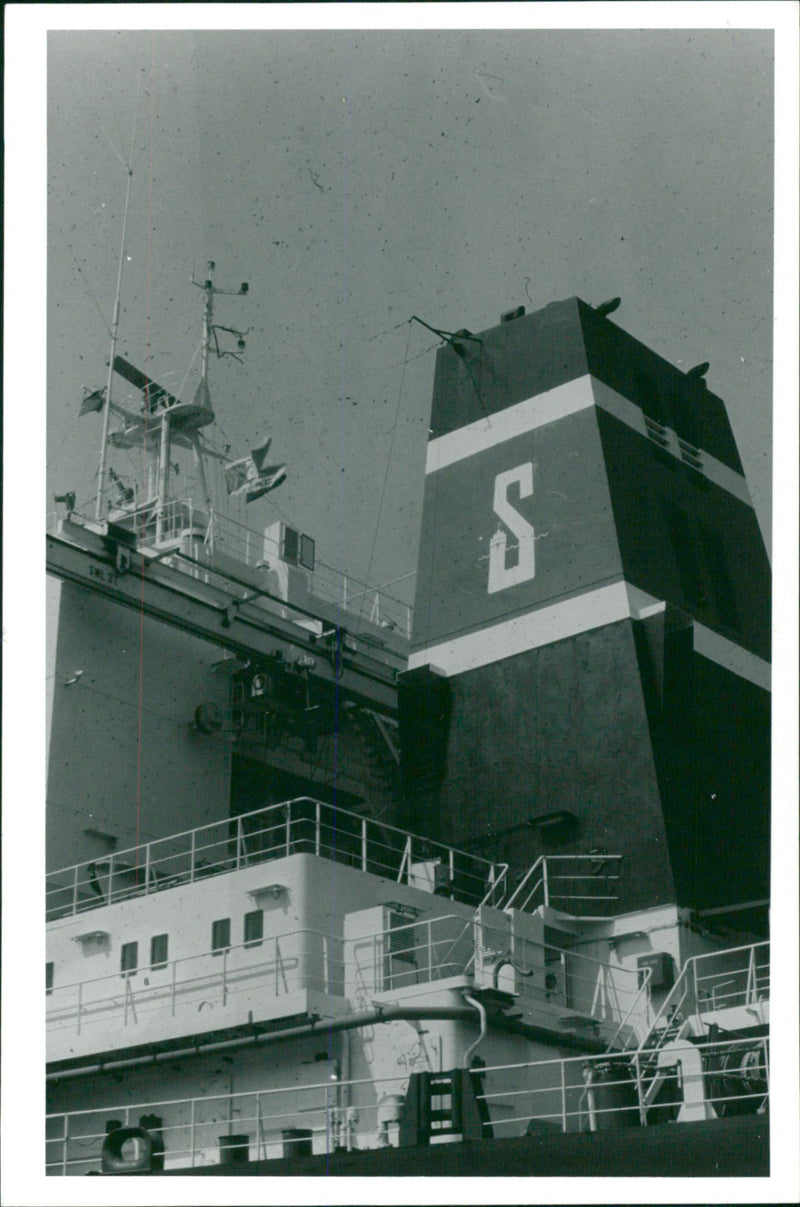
x: 90, y: 291
x: 388, y: 331
x: 145, y: 466
x: 114, y: 149
x: 117, y: 127
x: 476, y: 388
x: 388, y: 468
x: 189, y: 369
x: 416, y: 356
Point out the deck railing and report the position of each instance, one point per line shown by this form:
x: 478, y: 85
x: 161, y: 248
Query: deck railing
x: 582, y: 885
x: 281, y: 965
x: 374, y: 603
x: 293, y: 827
x: 432, y: 949
x: 568, y: 1095
x: 417, y: 953
x: 736, y: 976
x: 214, y: 532
x: 429, y: 949
x: 716, y: 980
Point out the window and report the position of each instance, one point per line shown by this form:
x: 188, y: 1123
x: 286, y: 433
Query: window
x: 307, y: 550
x: 298, y: 548
x: 159, y: 946
x: 48, y: 978
x: 129, y: 959
x: 291, y: 545
x: 220, y: 935
x: 254, y: 928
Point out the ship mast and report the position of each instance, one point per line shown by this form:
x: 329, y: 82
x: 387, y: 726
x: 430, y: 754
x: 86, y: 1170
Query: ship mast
x: 164, y: 421
x: 203, y: 395
x: 101, y: 472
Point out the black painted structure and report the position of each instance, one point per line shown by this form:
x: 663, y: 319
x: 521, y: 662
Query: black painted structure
x: 661, y: 752
x: 736, y: 1147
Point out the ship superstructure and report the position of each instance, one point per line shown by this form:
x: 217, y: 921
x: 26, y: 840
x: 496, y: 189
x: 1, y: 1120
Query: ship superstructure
x: 309, y: 900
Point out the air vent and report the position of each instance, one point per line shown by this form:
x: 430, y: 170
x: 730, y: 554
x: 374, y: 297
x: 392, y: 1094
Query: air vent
x: 691, y: 455
x: 657, y: 432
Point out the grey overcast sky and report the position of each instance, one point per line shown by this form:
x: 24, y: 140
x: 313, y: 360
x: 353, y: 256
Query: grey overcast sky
x: 357, y: 178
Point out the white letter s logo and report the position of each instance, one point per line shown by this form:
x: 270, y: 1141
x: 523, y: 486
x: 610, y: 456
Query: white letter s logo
x: 501, y: 575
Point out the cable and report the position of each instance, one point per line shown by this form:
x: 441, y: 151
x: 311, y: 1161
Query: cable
x: 188, y: 371
x: 89, y: 288
x: 388, y: 467
x: 114, y: 149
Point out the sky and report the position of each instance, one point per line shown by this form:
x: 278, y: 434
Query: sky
x: 357, y: 178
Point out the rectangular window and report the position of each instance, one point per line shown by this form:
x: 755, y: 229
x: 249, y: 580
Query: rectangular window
x: 291, y: 545
x: 254, y: 928
x: 159, y: 946
x: 129, y: 959
x: 307, y: 551
x: 48, y: 978
x: 220, y: 935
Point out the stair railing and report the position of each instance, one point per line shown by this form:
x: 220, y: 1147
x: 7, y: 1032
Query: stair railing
x: 673, y: 1004
x: 540, y: 862
x: 666, y: 1026
x: 644, y: 991
x: 498, y: 879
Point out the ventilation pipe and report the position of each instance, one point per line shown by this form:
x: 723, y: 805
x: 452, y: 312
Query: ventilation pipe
x: 472, y: 1049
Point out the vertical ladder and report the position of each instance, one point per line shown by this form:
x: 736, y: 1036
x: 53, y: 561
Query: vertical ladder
x: 443, y: 1106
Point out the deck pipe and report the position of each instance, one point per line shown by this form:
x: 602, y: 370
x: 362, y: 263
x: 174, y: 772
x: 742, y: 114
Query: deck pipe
x: 380, y: 1014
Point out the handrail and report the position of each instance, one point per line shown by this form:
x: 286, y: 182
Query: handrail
x: 441, y: 946
x: 147, y: 969
x: 601, y: 1058
x: 686, y: 987
x: 330, y: 583
x: 553, y: 1090
x: 643, y: 992
x: 169, y: 993
x: 550, y: 877
x: 523, y: 882
x: 381, y: 943
x: 496, y: 881
x: 383, y: 847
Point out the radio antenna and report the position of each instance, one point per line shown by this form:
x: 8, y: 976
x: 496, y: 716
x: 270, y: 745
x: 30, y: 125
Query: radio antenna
x: 101, y: 472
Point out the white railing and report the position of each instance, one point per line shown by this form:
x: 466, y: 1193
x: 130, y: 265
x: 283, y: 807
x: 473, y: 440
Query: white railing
x: 420, y: 952
x: 637, y: 1017
x: 738, y: 976
x: 374, y: 603
x: 431, y: 949
x: 272, y: 967
x: 216, y: 533
x: 293, y: 827
x: 567, y: 980
x: 568, y: 1095
x: 583, y: 885
x: 716, y: 980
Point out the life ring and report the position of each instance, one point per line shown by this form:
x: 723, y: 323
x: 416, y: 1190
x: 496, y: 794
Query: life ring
x: 113, y: 1159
